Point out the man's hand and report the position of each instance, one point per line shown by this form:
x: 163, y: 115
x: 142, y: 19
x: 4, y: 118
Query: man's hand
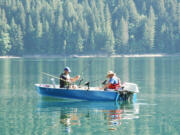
x: 77, y: 77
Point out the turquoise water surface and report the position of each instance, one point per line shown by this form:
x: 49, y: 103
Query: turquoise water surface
x: 156, y: 112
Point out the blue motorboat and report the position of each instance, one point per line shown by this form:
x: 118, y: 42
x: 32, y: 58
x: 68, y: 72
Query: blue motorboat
x: 127, y: 93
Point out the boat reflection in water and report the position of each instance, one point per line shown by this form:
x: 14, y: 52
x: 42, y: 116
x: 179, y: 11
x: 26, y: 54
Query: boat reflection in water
x: 123, y: 111
x: 74, y: 113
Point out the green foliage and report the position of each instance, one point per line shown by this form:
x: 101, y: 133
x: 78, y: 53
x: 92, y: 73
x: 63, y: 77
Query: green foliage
x: 79, y: 44
x: 122, y: 36
x: 149, y: 31
x: 4, y: 43
x: 16, y: 39
x: 89, y: 26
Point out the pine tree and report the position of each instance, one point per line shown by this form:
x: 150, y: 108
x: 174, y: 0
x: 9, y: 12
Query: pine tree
x: 3, y: 21
x: 47, y: 46
x: 30, y: 27
x: 21, y: 16
x: 16, y: 39
x: 20, y: 40
x: 59, y: 22
x: 4, y: 43
x: 149, y: 30
x: 144, y: 9
x: 160, y: 8
x: 122, y: 34
x: 109, y: 44
x: 178, y: 19
x: 100, y: 15
x: 27, y: 5
x: 69, y: 11
x: 38, y: 36
x: 92, y: 42
x: 45, y: 37
x: 29, y: 41
x: 134, y: 15
x: 162, y: 33
x: 80, y: 45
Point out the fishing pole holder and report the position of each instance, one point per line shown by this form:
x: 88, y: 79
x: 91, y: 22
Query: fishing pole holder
x: 87, y: 84
x: 104, y: 82
x: 80, y: 82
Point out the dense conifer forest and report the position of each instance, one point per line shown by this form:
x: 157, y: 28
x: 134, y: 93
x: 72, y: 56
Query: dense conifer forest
x: 65, y: 27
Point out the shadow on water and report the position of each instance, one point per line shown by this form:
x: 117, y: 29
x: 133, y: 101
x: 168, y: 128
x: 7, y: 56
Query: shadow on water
x: 50, y: 103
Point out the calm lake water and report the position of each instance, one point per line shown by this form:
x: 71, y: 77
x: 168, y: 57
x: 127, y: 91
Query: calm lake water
x: 156, y: 112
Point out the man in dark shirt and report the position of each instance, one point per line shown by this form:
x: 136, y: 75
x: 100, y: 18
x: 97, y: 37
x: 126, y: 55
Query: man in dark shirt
x: 65, y: 79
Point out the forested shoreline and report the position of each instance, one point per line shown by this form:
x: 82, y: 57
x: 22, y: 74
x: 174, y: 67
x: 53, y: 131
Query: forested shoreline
x: 66, y: 27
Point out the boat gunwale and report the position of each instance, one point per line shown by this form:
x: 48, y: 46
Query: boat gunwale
x: 90, y: 90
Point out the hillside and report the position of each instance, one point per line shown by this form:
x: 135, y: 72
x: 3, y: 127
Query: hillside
x: 64, y: 27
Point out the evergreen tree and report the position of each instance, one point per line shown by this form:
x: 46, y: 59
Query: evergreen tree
x: 4, y: 34
x: 92, y: 42
x: 27, y: 5
x: 60, y: 19
x: 69, y: 11
x: 134, y: 16
x: 21, y: 16
x: 178, y: 19
x: 122, y: 35
x: 16, y: 39
x: 29, y: 37
x: 4, y: 26
x: 160, y: 8
x: 4, y: 43
x: 144, y: 9
x: 109, y: 44
x: 149, y: 30
x: 102, y: 21
x: 38, y: 36
x: 79, y: 43
x: 47, y: 46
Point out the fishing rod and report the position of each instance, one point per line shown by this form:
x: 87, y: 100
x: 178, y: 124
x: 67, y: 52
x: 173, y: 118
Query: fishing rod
x: 81, y: 74
x: 85, y: 68
x: 80, y: 81
x: 58, y: 78
x: 53, y: 76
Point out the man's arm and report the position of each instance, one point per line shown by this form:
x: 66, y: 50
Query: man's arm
x: 75, y: 78
x: 107, y: 85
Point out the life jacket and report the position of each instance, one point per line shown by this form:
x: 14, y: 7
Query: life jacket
x: 115, y: 86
